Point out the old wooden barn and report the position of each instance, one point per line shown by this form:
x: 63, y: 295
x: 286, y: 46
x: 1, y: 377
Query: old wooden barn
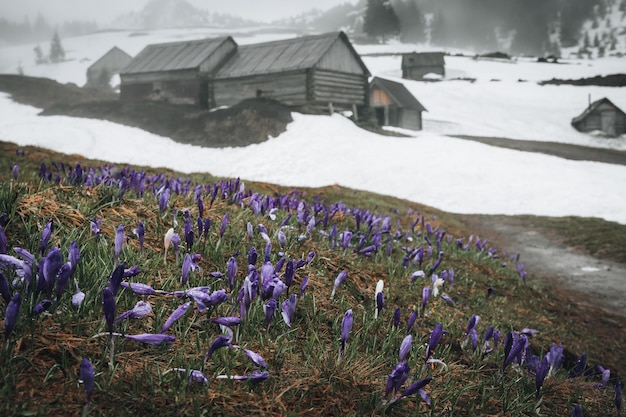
x: 178, y: 72
x: 601, y: 115
x: 100, y: 72
x: 416, y: 65
x: 314, y: 72
x: 394, y: 105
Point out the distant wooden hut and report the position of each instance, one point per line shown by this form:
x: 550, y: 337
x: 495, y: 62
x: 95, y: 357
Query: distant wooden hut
x: 601, y: 115
x: 321, y: 71
x: 177, y: 71
x: 416, y: 65
x: 394, y: 105
x: 100, y: 72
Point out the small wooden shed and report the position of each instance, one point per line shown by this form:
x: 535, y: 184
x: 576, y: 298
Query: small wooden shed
x: 601, y: 115
x: 315, y: 72
x: 100, y: 72
x: 177, y: 71
x: 394, y: 105
x: 416, y: 65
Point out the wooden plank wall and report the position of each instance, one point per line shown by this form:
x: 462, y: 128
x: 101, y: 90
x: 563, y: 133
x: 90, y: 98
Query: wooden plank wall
x: 341, y: 89
x: 288, y: 88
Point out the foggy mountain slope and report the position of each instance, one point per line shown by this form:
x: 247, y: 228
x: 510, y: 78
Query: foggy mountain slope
x: 159, y: 14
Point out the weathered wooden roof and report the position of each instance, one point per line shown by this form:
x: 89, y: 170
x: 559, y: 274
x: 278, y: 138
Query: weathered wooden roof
x: 174, y: 55
x: 428, y: 59
x: 111, y: 52
x: 592, y: 107
x: 283, y: 55
x: 398, y: 93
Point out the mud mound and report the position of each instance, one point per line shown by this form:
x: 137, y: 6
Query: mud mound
x: 251, y: 121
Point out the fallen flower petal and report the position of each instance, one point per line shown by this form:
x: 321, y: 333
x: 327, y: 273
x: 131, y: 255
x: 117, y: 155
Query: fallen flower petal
x: 150, y: 338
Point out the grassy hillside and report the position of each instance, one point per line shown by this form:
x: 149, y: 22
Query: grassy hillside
x: 447, y: 362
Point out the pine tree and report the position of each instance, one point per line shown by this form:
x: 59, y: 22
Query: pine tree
x: 380, y: 20
x: 39, y: 57
x: 57, y: 53
x: 411, y: 21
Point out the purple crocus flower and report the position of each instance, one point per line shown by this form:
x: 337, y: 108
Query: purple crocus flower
x: 63, y: 279
x: 396, y: 317
x: 223, y: 225
x: 435, y: 337
x: 42, y: 306
x: 11, y: 314
x: 304, y: 285
x: 150, y: 338
x: 140, y: 231
x: 577, y: 411
x: 515, y: 350
x: 15, y: 171
x: 255, y: 377
x: 186, y: 268
x: 340, y: 278
x: 396, y: 378
x: 139, y: 288
x: 231, y: 271
x: 380, y: 302
x: 194, y: 376
x: 217, y: 297
x: 540, y: 375
x: 115, y: 281
x: 417, y: 387
x: 119, y: 241
x: 220, y: 342
x: 288, y: 308
x: 141, y: 309
x: 471, y: 323
x: 176, y: 315
x: 45, y: 237
x: 579, y: 367
x: 227, y: 321
x: 87, y: 376
x: 73, y: 256
x: 78, y: 298
x: 282, y: 239
x: 255, y: 358
x: 405, y: 348
x: 50, y: 266
x: 417, y: 274
x: 411, y: 321
x: 346, y: 327
x: 108, y: 308
x: 425, y: 297
x: 555, y: 358
x: 96, y: 224
x: 269, y: 309
x: 252, y: 256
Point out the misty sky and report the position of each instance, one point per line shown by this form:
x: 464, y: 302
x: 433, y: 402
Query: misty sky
x: 104, y: 12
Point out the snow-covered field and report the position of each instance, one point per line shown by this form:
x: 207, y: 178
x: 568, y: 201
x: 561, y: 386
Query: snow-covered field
x: 450, y: 174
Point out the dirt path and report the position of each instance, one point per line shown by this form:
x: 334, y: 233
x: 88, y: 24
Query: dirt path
x: 562, y: 150
x: 588, y: 280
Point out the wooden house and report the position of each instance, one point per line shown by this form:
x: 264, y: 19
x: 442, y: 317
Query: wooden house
x: 601, y: 115
x: 416, y: 65
x: 394, y: 105
x: 177, y: 71
x: 314, y: 72
x: 100, y: 72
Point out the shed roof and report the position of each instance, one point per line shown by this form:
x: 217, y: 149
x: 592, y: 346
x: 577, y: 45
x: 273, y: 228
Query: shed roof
x: 112, y: 51
x: 283, y: 55
x: 423, y: 59
x: 592, y: 107
x: 174, y: 55
x: 399, y: 93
